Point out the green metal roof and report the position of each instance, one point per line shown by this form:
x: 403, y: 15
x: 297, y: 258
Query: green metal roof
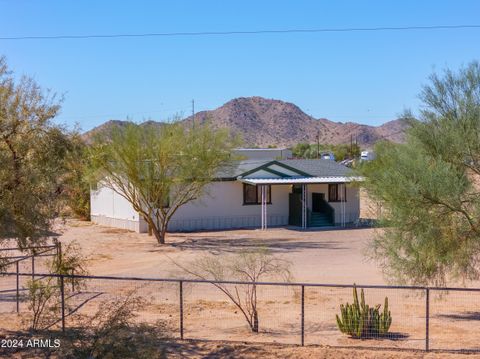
x: 313, y: 168
x: 318, y: 168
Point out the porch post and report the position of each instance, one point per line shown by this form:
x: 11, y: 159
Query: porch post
x: 261, y: 207
x: 263, y: 201
x: 265, y: 204
x: 304, y: 206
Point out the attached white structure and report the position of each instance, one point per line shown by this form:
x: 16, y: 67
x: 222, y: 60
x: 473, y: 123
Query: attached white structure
x: 252, y: 194
x: 264, y: 153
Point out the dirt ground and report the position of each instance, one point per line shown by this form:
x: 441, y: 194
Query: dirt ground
x: 220, y: 350
x: 212, y: 350
x: 327, y: 256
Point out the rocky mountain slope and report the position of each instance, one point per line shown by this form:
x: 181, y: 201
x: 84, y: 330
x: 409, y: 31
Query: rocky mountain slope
x: 263, y: 122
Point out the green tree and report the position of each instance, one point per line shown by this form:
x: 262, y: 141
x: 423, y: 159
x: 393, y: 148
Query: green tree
x: 158, y: 171
x: 429, y: 187
x: 76, y: 187
x: 32, y: 151
x: 341, y: 152
x: 300, y: 149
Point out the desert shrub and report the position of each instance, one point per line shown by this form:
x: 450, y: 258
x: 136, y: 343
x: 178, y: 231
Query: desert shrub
x: 43, y: 303
x: 76, y: 188
x: 44, y: 294
x: 71, y: 261
x: 249, y: 266
x: 362, y: 321
x: 112, y: 332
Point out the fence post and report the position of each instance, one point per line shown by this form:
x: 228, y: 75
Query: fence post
x: 181, y: 308
x: 427, y: 319
x: 73, y: 280
x: 33, y: 266
x: 18, y: 288
x: 303, y: 316
x: 59, y: 251
x: 62, y: 295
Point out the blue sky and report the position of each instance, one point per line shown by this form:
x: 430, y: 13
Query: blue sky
x: 355, y: 76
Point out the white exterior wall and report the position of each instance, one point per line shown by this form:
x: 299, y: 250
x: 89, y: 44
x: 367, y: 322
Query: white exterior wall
x: 110, y: 209
x: 222, y: 207
x: 352, y: 204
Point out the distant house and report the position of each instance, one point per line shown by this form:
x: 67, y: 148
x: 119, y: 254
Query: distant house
x: 264, y: 153
x: 254, y: 193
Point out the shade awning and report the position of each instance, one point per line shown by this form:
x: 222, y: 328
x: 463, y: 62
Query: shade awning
x: 301, y: 180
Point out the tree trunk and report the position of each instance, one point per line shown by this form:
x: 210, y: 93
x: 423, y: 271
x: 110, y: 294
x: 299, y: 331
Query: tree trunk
x: 156, y: 229
x: 152, y: 229
x: 161, y: 238
x: 255, y: 321
x: 159, y: 234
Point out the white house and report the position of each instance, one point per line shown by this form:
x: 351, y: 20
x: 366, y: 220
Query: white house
x: 254, y: 193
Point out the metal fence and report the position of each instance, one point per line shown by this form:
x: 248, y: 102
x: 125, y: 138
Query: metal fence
x: 424, y: 318
x: 31, y: 262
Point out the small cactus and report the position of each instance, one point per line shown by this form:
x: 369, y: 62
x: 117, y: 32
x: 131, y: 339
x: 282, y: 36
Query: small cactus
x: 361, y: 321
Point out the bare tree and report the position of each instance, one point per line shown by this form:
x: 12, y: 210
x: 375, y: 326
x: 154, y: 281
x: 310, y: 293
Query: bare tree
x: 247, y: 266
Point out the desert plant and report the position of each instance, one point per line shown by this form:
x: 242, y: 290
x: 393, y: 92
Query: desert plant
x: 151, y: 170
x: 428, y: 186
x: 362, y: 321
x: 32, y: 157
x: 70, y: 261
x: 43, y: 294
x: 113, y: 332
x: 76, y: 187
x: 247, y: 266
x: 42, y: 302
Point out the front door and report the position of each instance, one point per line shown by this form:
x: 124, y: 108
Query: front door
x: 295, y: 209
x: 317, y: 199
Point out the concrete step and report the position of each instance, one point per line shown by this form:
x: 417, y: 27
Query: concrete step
x: 319, y: 220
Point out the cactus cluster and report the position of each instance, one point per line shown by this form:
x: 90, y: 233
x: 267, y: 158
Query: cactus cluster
x: 361, y: 321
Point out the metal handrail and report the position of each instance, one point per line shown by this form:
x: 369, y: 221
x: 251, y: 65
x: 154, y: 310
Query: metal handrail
x: 21, y: 258
x: 22, y: 249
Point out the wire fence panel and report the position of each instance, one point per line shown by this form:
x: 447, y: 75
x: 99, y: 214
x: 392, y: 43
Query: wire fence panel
x: 158, y: 301
x: 455, y: 320
x: 294, y: 313
x: 211, y: 314
x: 208, y: 313
x: 407, y: 331
x: 10, y: 300
x: 13, y: 289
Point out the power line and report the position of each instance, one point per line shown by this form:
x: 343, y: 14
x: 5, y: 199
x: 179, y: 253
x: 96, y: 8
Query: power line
x: 251, y: 32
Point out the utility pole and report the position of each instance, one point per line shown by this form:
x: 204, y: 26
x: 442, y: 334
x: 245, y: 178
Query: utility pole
x: 193, y: 113
x: 356, y: 141
x: 351, y: 145
x: 318, y: 144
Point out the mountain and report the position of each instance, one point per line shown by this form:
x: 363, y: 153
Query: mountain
x: 263, y: 122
